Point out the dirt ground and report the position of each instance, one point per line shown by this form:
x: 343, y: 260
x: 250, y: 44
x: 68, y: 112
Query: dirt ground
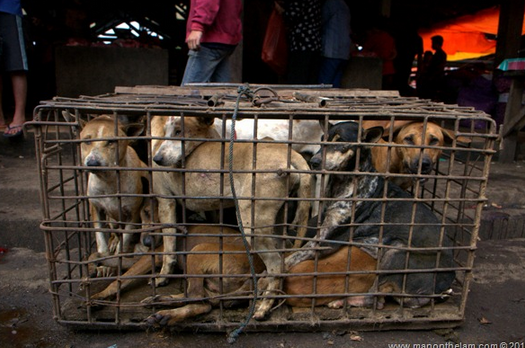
x: 495, y: 309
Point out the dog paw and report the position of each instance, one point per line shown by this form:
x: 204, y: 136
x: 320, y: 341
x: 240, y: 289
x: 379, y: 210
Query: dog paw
x: 157, y: 320
x: 336, y: 304
x: 105, y: 271
x: 150, y: 300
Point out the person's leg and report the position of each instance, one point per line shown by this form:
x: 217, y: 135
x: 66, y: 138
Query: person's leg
x: 15, y: 64
x: 200, y: 66
x: 3, y: 124
x: 298, y: 67
x: 19, y: 81
x: 222, y: 72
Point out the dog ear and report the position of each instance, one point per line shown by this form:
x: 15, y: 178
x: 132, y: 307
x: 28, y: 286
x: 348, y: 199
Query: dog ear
x: 134, y: 129
x: 69, y: 117
x: 398, y: 125
x: 207, y: 121
x: 372, y: 135
x: 449, y: 134
x: 322, y: 125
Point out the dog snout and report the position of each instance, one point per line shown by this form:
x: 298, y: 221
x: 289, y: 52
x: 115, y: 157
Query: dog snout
x: 159, y: 159
x: 426, y: 165
x: 93, y: 161
x: 316, y: 161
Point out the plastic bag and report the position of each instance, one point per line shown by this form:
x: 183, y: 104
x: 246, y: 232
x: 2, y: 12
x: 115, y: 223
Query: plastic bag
x: 275, y: 48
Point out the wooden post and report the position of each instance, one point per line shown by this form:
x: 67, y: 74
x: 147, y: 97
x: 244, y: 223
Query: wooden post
x: 508, y: 45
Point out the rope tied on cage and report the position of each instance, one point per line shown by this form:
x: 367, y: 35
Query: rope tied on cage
x: 232, y: 337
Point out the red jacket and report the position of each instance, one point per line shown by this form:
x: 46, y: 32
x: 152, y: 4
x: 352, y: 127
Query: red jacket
x: 219, y: 20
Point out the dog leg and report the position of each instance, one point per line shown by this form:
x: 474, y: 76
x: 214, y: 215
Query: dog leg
x: 331, y: 222
x: 264, y: 241
x: 101, y: 238
x: 167, y: 217
x: 303, y: 208
x: 142, y: 266
x: 271, y: 283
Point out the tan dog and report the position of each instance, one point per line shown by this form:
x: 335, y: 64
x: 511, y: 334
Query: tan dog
x: 100, y: 148
x: 415, y: 136
x: 283, y: 172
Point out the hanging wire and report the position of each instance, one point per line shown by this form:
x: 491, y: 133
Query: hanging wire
x: 232, y: 337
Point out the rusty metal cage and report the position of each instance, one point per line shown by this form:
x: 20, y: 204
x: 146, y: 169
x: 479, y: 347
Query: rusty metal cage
x: 454, y: 191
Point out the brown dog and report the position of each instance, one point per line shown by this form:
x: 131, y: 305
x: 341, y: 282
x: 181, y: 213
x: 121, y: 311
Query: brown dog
x: 104, y: 145
x: 421, y: 142
x: 281, y: 173
x: 194, y: 235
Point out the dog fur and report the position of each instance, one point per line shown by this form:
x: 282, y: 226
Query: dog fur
x: 360, y: 199
x: 303, y: 132
x: 100, y: 149
x: 275, y: 183
x: 422, y: 141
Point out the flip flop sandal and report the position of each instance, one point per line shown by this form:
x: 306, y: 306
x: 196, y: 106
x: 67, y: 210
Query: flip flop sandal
x: 19, y: 132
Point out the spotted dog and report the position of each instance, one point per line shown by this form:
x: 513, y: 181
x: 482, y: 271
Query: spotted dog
x: 358, y: 197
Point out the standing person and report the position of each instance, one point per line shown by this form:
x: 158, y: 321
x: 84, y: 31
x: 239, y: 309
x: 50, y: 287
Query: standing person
x: 303, y: 19
x: 435, y: 71
x: 336, y: 41
x: 13, y: 62
x: 213, y: 30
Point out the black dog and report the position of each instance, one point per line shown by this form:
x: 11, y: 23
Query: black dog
x: 359, y: 199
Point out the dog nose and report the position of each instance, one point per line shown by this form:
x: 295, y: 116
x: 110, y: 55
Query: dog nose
x: 315, y: 162
x: 92, y: 162
x: 158, y: 159
x: 426, y: 166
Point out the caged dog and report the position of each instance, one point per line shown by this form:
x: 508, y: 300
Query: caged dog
x: 421, y: 142
x: 113, y: 195
x: 411, y: 234
x: 281, y: 173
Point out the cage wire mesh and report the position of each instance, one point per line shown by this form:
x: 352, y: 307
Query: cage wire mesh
x: 117, y: 288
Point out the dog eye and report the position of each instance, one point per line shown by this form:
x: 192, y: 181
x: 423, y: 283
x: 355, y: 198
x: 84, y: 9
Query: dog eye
x: 111, y: 142
x: 434, y: 141
x: 409, y: 140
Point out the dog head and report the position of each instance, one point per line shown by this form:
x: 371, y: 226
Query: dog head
x: 102, y: 145
x: 177, y: 132
x: 344, y: 142
x: 417, y: 135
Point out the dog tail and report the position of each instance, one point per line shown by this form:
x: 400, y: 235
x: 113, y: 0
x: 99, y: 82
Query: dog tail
x: 304, y: 191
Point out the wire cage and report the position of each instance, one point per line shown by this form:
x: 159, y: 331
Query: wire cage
x: 220, y: 250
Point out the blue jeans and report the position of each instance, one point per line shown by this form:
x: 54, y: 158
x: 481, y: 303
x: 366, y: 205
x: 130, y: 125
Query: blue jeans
x: 208, y: 64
